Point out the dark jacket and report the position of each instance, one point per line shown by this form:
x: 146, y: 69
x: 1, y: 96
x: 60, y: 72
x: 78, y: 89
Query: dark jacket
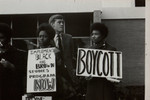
x: 68, y: 53
x: 12, y: 80
x: 100, y: 88
x: 64, y: 87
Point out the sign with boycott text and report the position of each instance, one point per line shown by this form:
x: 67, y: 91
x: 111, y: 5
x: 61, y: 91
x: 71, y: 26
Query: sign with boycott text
x: 41, y: 70
x: 99, y: 63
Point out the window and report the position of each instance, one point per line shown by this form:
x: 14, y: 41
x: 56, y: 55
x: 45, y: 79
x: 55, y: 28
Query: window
x: 139, y: 3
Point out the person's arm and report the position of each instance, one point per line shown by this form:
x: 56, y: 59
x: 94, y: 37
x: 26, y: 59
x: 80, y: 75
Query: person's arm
x: 7, y: 64
x: 113, y: 80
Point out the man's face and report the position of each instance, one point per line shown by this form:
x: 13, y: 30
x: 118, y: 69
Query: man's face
x: 58, y: 25
x: 43, y: 39
x: 2, y: 40
x: 96, y: 36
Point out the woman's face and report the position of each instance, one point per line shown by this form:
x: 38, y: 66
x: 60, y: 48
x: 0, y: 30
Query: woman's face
x: 43, y: 39
x: 96, y: 36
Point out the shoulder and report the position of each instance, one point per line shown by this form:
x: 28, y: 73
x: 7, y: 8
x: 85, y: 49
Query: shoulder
x: 110, y: 47
x: 16, y: 50
x: 16, y: 55
x: 91, y: 47
x: 67, y: 35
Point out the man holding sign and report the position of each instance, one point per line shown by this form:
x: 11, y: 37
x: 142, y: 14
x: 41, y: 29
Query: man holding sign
x: 99, y: 62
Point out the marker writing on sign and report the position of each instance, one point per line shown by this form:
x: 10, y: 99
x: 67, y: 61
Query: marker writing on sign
x: 34, y: 98
x: 90, y: 62
x: 43, y: 56
x: 44, y: 84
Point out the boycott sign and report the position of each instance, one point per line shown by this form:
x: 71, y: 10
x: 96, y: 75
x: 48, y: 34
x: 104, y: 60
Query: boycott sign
x: 41, y: 70
x: 99, y: 63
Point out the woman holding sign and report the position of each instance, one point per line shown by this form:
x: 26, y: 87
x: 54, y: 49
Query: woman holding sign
x: 64, y: 89
x: 100, y: 88
x: 45, y: 35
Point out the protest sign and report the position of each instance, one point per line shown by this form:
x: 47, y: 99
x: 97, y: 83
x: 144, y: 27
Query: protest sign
x: 26, y: 97
x: 41, y: 70
x: 99, y: 63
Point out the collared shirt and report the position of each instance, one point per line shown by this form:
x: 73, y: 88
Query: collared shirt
x: 56, y: 40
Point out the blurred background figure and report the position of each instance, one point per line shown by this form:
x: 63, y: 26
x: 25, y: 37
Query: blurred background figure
x: 12, y: 67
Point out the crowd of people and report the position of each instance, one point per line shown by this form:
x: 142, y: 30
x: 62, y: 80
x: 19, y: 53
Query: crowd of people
x: 13, y: 65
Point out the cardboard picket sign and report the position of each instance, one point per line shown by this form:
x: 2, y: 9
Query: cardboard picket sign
x: 41, y: 70
x: 99, y: 63
x: 25, y: 97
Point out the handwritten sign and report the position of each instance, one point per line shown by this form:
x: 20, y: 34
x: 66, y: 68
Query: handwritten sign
x: 41, y: 71
x: 99, y: 63
x: 25, y: 97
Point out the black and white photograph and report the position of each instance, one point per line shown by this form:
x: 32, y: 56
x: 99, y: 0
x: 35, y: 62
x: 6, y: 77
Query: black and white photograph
x: 74, y: 49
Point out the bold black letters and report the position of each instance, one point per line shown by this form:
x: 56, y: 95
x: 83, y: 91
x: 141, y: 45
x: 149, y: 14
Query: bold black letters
x: 118, y: 63
x: 80, y: 59
x: 89, y: 56
x: 104, y: 61
x: 111, y: 63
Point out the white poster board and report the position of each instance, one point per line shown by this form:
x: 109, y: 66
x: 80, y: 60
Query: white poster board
x: 25, y: 97
x: 99, y: 63
x: 41, y: 70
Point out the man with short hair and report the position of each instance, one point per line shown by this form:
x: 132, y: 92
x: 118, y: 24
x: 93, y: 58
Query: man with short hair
x: 64, y: 42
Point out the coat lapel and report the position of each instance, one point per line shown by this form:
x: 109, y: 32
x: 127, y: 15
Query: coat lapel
x: 63, y: 41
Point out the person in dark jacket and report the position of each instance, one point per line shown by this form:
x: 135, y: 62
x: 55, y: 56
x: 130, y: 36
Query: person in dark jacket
x: 45, y: 35
x: 12, y: 67
x: 64, y: 42
x: 100, y: 88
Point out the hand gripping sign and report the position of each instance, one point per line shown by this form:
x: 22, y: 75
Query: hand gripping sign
x: 99, y: 63
x: 41, y: 70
